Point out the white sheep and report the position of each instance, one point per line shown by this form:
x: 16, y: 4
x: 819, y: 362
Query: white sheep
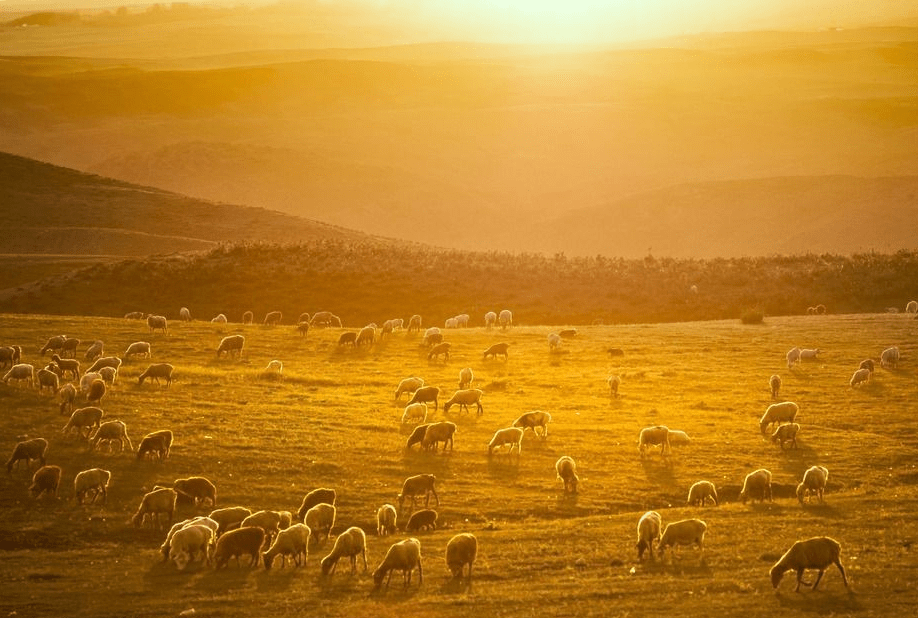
x: 403, y: 556
x: 461, y: 550
x: 184, y: 314
x: 464, y: 399
x: 537, y: 421
x: 95, y: 350
x: 156, y: 372
x: 10, y: 355
x: 349, y: 544
x: 415, y: 412
x: 155, y: 503
x: 463, y: 320
x: 654, y: 436
x: 320, y: 519
x: 47, y: 378
x: 814, y: 482
x: 809, y: 354
x: 418, y: 485
x: 438, y: 432
x: 648, y: 530
x: 322, y: 495
x: 911, y: 306
x: 554, y: 341
x: 21, y: 372
x: 614, y: 382
x: 465, y: 378
x: 890, y: 357
x: 490, y: 320
x: 268, y: 521
x: 699, y: 493
x: 221, y: 319
x: 110, y: 431
x: 786, y: 433
x: 775, y: 383
x: 273, y: 318
x: 247, y: 317
x: 426, y: 394
x: 67, y: 395
x: 566, y: 468
x: 386, y: 519
x: 207, y: 522
x: 414, y: 323
x: 241, y: 541
x: 451, y: 323
x: 367, y: 335
x: 793, y: 357
x: 868, y: 364
x: 274, y: 367
x: 27, y: 450
x: 505, y: 319
x: 88, y: 378
x: 815, y: 553
x: 231, y: 345
x: 777, y: 413
x: 509, y: 436
x: 408, y: 385
x: 757, y: 484
x: 84, y: 418
x: 293, y: 542
x: 189, y: 541
x: 229, y: 518
x: 861, y: 376
x: 106, y: 361
x: 138, y: 348
x: 157, y: 322
x: 685, y: 532
x: 678, y: 438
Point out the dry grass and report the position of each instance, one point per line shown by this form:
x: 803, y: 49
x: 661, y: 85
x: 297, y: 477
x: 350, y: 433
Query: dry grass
x: 332, y: 422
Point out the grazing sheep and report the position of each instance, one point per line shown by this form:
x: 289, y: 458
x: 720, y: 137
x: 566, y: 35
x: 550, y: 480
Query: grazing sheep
x: 94, y: 351
x: 10, y: 355
x: 490, y: 319
x: 867, y: 363
x: 111, y: 431
x: 54, y: 344
x: 87, y: 380
x: 48, y: 379
x: 775, y: 383
x: 614, y: 382
x: 534, y: 420
x: 135, y: 315
x: 505, y: 319
x: 275, y: 367
x: 438, y: 432
x: 268, y: 521
x: 189, y: 541
x: 107, y: 361
x: 793, y: 357
x: 207, y: 522
x: 699, y: 493
x: 67, y: 366
x: 816, y: 553
x: 108, y: 375
x: 348, y: 338
x: 153, y: 503
x: 425, y: 519
x: 567, y: 333
x: 861, y: 376
x: 463, y: 320
x: 498, y: 349
x: 157, y: 371
x: 235, y: 543
x: 890, y: 357
x: 320, y: 519
x: 220, y: 318
x: 138, y: 348
x: 451, y: 323
x: 512, y: 436
x: 366, y: 336
x: 464, y: 399
x: 554, y: 341
x: 414, y: 323
x: 95, y: 481
x: 198, y: 489
x: 67, y: 395
x: 96, y: 391
x: 349, y: 544
x: 293, y: 542
x: 809, y: 354
x: 615, y: 352
x: 438, y: 350
x: 465, y: 378
x: 654, y: 436
x: 157, y: 322
x: 433, y: 331
x: 231, y: 345
x: 566, y: 468
x: 247, y: 317
x: 321, y: 495
x: 777, y: 413
x: 45, y: 480
x: 415, y: 412
x: 303, y: 317
x: 786, y: 433
x: 820, y: 309
x: 20, y: 372
x: 155, y: 442
x: 678, y: 438
x: 426, y: 394
x: 403, y: 556
x: 325, y: 318
x: 184, y: 314
x: 685, y: 532
x: 84, y: 418
x: 27, y: 450
x: 418, y: 485
x: 461, y: 550
x: 273, y: 318
x: 417, y: 436
x: 386, y: 520
x: 229, y: 518
x: 757, y: 485
x: 911, y: 306
x: 408, y: 385
x: 648, y: 530
x: 814, y: 482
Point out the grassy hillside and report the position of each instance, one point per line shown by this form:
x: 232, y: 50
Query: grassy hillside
x: 332, y: 422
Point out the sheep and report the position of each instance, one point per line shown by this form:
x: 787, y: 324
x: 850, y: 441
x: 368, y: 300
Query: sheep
x: 268, y: 521
x: 535, y: 420
x: 498, y: 349
x: 417, y: 435
x: 614, y: 382
x: 157, y: 322
x: 348, y: 338
x: 403, y: 556
x: 386, y: 519
x: 786, y: 433
x: 684, y: 532
x: 465, y: 378
x: 320, y: 519
x: 235, y: 543
x: 418, y: 485
x: 868, y: 364
x: 490, y: 320
x: 349, y: 544
x: 293, y: 542
x: 45, y: 480
x: 20, y: 372
x: 220, y: 318
x: 408, y: 385
x: 48, y: 379
x: 274, y: 367
x: 415, y: 411
x: 463, y: 320
x: 302, y: 328
x: 814, y: 482
x: 207, y: 522
x: 67, y: 394
x: 757, y: 485
x: 451, y: 323
x: 96, y: 391
x: 231, y: 345
x: 155, y: 442
x: 654, y: 436
x: 461, y: 550
x: 777, y: 413
x: 303, y: 317
x: 820, y: 309
x: 699, y: 493
x: 247, y: 317
x: 566, y: 468
x: 434, y: 340
x: 809, y: 354
x: 567, y: 333
x: 426, y: 394
x: 184, y: 314
x: 430, y: 333
x: 678, y: 438
x: 54, y: 343
x: 775, y: 383
x: 325, y: 318
x: 94, y: 351
x: 108, y: 375
x: 87, y: 380
x: 425, y: 519
x: 135, y: 315
x: 815, y: 553
x: 229, y: 518
x: 615, y: 352
x: 861, y: 376
x: 464, y: 399
x: 273, y: 318
x: 367, y: 335
x: 321, y: 495
x: 36, y: 448
x: 106, y: 361
x: 438, y: 350
x: 10, y: 355
x: 911, y: 306
x: 95, y: 481
x: 505, y: 319
x: 89, y: 417
x: 153, y: 503
x: 648, y: 530
x: 138, y: 348
x: 792, y: 357
x: 512, y: 436
x: 67, y: 366
x: 890, y: 357
x: 157, y: 371
x: 198, y: 489
x: 110, y: 431
x: 438, y: 432
x: 188, y: 541
x: 554, y: 341
x: 414, y: 323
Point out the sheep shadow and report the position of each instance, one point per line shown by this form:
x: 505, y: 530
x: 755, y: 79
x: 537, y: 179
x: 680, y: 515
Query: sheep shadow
x: 658, y: 471
x: 277, y: 579
x: 335, y: 585
x: 396, y: 593
x: 820, y: 602
x: 685, y: 566
x: 228, y: 578
x: 456, y: 585
x: 504, y: 467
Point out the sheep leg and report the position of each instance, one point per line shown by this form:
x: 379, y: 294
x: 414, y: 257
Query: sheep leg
x: 354, y: 564
x: 420, y: 573
x: 435, y: 494
x: 818, y: 578
x: 841, y: 570
x: 365, y: 566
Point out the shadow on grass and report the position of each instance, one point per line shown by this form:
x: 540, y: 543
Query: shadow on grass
x: 504, y: 466
x: 455, y: 585
x: 820, y: 601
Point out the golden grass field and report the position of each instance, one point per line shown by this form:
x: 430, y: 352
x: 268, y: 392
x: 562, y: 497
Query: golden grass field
x: 332, y: 422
